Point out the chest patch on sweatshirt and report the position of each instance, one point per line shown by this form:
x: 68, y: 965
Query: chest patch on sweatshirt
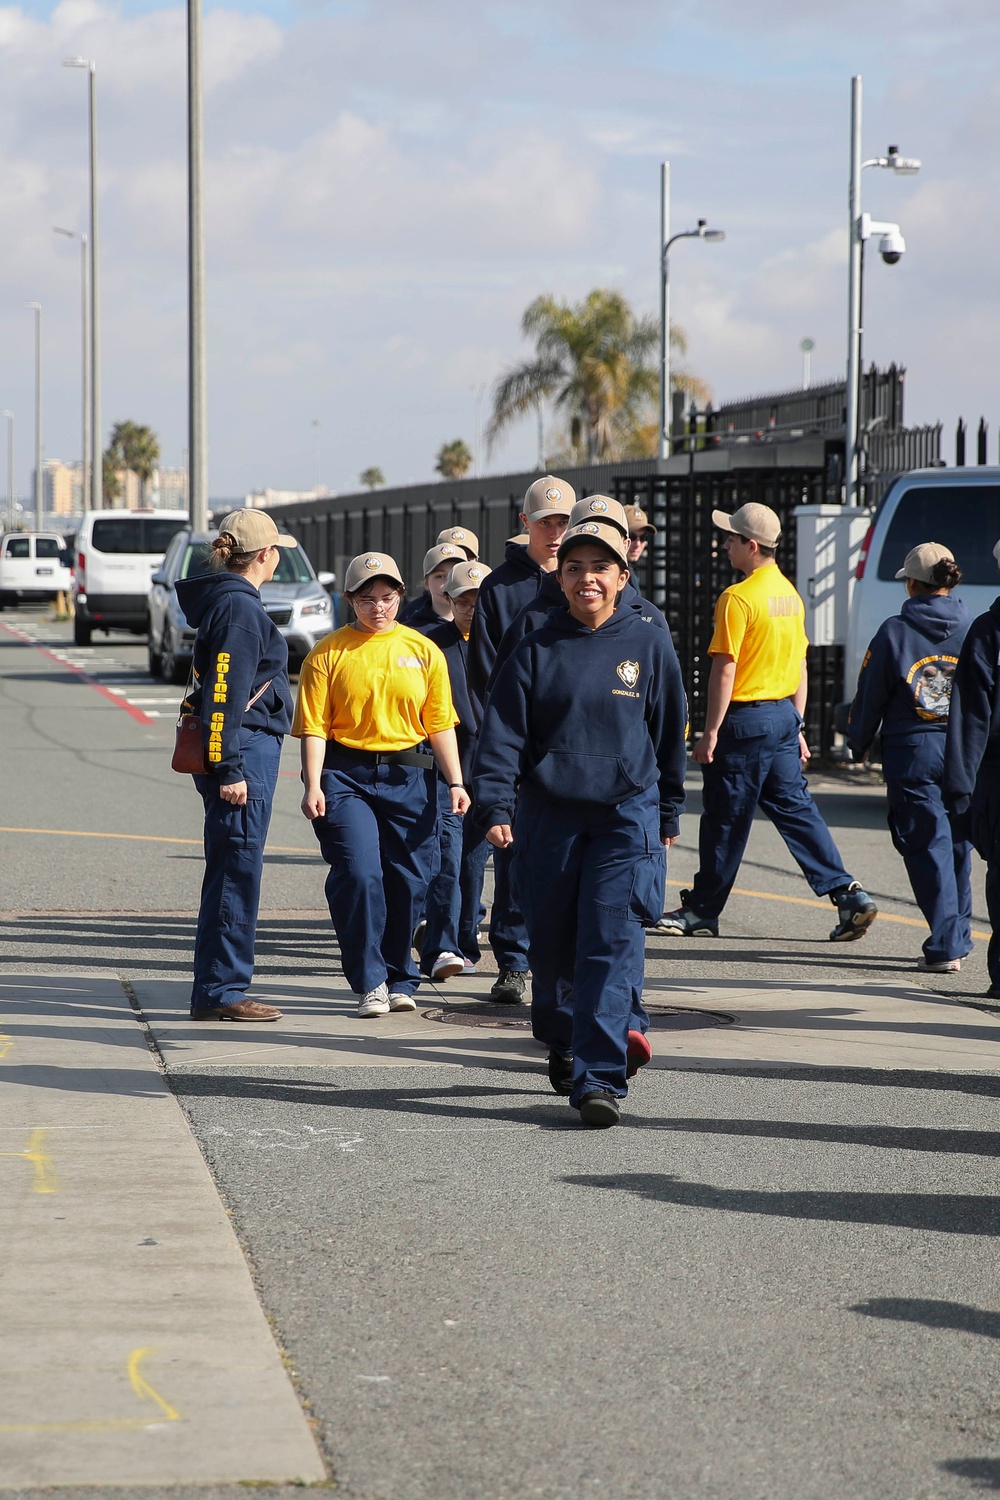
x: 930, y: 681
x: 628, y: 671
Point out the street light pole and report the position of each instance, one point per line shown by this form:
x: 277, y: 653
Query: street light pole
x: 36, y: 308
x: 664, y: 311
x: 197, y: 398
x: 10, y: 468
x: 95, y: 445
x: 85, y: 377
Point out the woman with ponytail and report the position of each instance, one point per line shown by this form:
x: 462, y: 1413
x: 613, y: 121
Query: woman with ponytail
x: 241, y: 694
x: 904, y: 689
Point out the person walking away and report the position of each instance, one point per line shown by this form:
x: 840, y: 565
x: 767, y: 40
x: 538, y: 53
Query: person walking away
x: 584, y: 735
x: 752, y: 750
x: 241, y: 694
x: 369, y: 694
x: 547, y: 505
x: 971, y: 780
x: 904, y: 690
x: 433, y: 603
x: 450, y: 942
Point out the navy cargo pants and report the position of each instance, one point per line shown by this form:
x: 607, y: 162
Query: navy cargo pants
x: 591, y: 877
x: 757, y: 764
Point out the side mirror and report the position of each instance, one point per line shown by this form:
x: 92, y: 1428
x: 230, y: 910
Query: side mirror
x: 327, y: 580
x: 159, y: 577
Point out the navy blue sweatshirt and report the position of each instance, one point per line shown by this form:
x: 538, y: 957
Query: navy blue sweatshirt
x: 446, y: 634
x: 973, y: 747
x: 237, y: 649
x: 502, y: 595
x: 905, y: 680
x: 418, y: 612
x: 551, y: 596
x: 585, y: 716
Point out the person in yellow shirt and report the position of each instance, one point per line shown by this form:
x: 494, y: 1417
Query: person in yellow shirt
x: 369, y: 694
x: 752, y: 750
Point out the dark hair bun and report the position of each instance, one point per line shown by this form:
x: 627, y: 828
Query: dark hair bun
x: 946, y: 574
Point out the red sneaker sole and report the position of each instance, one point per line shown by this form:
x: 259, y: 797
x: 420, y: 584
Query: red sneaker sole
x: 638, y: 1054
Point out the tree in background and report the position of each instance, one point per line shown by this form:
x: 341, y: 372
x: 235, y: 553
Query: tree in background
x: 135, y: 448
x: 372, y: 478
x: 596, y: 361
x: 112, y: 483
x: 454, y: 460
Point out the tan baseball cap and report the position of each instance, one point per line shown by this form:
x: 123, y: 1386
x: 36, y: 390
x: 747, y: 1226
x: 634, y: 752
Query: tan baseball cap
x: 596, y: 531
x: 548, y: 496
x: 638, y: 520
x: 368, y: 566
x: 252, y: 530
x: 522, y: 539
x: 444, y: 552
x: 599, y: 508
x: 921, y: 561
x: 459, y: 537
x: 758, y: 523
x: 465, y: 576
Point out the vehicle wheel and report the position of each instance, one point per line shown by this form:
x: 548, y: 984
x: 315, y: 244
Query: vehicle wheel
x: 173, y: 668
x: 154, y: 655
x: 82, y: 631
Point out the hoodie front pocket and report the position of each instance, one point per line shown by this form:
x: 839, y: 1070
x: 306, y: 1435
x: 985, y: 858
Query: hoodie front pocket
x: 576, y: 776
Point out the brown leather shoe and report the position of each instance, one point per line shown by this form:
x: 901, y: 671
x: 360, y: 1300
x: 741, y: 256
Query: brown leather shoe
x: 243, y: 1010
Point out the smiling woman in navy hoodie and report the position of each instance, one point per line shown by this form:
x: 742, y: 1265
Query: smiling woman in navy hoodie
x: 242, y: 696
x: 905, y: 687
x: 581, y: 764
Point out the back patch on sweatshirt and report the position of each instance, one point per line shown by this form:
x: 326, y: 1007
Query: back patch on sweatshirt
x: 930, y: 681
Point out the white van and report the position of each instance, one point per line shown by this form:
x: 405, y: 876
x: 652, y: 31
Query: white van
x: 33, y: 565
x: 960, y: 508
x: 117, y: 553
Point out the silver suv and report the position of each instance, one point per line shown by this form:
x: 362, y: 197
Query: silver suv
x: 296, y: 599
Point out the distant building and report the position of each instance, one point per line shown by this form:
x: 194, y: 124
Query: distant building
x: 265, y: 499
x: 63, y: 489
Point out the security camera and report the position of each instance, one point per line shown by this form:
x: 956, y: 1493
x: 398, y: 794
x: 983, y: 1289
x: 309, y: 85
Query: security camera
x: 892, y: 247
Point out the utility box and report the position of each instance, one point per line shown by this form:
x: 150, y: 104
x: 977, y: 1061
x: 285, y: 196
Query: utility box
x: 828, y: 543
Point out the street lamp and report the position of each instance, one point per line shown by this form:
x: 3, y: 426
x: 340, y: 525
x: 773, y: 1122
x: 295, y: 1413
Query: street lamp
x: 713, y: 236
x: 891, y: 248
x: 85, y: 379
x: 36, y: 308
x: 10, y: 468
x: 96, y: 474
x: 197, y: 394
x: 807, y: 346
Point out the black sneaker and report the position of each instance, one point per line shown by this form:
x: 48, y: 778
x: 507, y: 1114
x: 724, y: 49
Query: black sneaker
x: 599, y: 1110
x: 686, y: 923
x: 510, y: 987
x: 561, y: 1072
x: 856, y: 911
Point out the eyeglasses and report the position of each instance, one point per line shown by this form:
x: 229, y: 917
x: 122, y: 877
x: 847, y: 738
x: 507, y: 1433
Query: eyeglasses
x: 387, y: 601
x: 637, y: 536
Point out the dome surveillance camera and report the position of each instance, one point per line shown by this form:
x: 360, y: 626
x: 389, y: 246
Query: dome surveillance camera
x: 892, y: 247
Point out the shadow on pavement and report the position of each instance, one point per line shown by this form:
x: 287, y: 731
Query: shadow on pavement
x: 941, y: 1213
x: 931, y: 1314
x: 984, y: 1473
x: 891, y: 1137
x: 985, y: 1084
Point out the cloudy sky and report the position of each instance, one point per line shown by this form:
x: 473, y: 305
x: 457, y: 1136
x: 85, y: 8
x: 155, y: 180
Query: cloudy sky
x: 389, y: 184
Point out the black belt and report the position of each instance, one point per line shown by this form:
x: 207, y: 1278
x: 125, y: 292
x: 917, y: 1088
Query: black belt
x: 336, y: 752
x: 757, y: 702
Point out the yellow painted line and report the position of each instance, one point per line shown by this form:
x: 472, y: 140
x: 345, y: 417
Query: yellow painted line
x: 141, y: 838
x: 142, y: 1389
x: 6, y: 1042
x: 883, y: 916
x: 46, y: 1180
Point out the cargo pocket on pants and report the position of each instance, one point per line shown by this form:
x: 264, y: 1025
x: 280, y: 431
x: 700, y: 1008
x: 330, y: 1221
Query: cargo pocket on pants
x: 649, y: 888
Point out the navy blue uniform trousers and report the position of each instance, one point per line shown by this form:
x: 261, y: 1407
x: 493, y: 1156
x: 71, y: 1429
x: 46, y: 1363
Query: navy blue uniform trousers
x: 455, y: 893
x: 591, y: 877
x: 984, y: 819
x: 230, y: 891
x: 757, y: 764
x: 377, y: 836
x: 937, y: 865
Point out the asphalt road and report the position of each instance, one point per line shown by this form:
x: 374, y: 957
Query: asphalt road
x: 767, y: 1283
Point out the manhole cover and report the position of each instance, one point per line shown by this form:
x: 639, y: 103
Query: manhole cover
x: 661, y: 1017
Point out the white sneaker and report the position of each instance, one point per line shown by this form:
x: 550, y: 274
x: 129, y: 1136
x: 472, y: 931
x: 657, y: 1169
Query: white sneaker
x: 375, y: 1003
x: 943, y: 966
x: 447, y: 965
x: 401, y: 1002
x: 470, y: 967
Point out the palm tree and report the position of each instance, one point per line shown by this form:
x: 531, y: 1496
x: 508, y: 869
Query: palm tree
x: 454, y: 460
x: 595, y: 361
x: 372, y: 478
x: 137, y: 448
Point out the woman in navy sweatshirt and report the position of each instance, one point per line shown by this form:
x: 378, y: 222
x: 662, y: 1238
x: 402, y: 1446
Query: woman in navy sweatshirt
x: 242, y: 696
x: 904, y: 687
x: 581, y: 765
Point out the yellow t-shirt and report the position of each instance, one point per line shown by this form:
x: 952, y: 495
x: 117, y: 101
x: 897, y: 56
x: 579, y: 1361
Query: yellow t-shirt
x: 760, y: 622
x: 384, y: 691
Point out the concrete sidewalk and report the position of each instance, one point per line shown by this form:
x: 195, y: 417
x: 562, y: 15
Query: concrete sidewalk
x: 135, y: 1348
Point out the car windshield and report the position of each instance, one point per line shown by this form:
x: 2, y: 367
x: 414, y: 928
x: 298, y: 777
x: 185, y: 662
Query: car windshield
x: 965, y: 518
x: 147, y: 535
x: 292, y: 564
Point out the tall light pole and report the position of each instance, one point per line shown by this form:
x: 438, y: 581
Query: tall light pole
x: 85, y: 378
x: 713, y: 236
x: 807, y: 346
x: 197, y: 398
x: 96, y: 447
x: 36, y: 308
x: 859, y: 230
x: 10, y: 468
